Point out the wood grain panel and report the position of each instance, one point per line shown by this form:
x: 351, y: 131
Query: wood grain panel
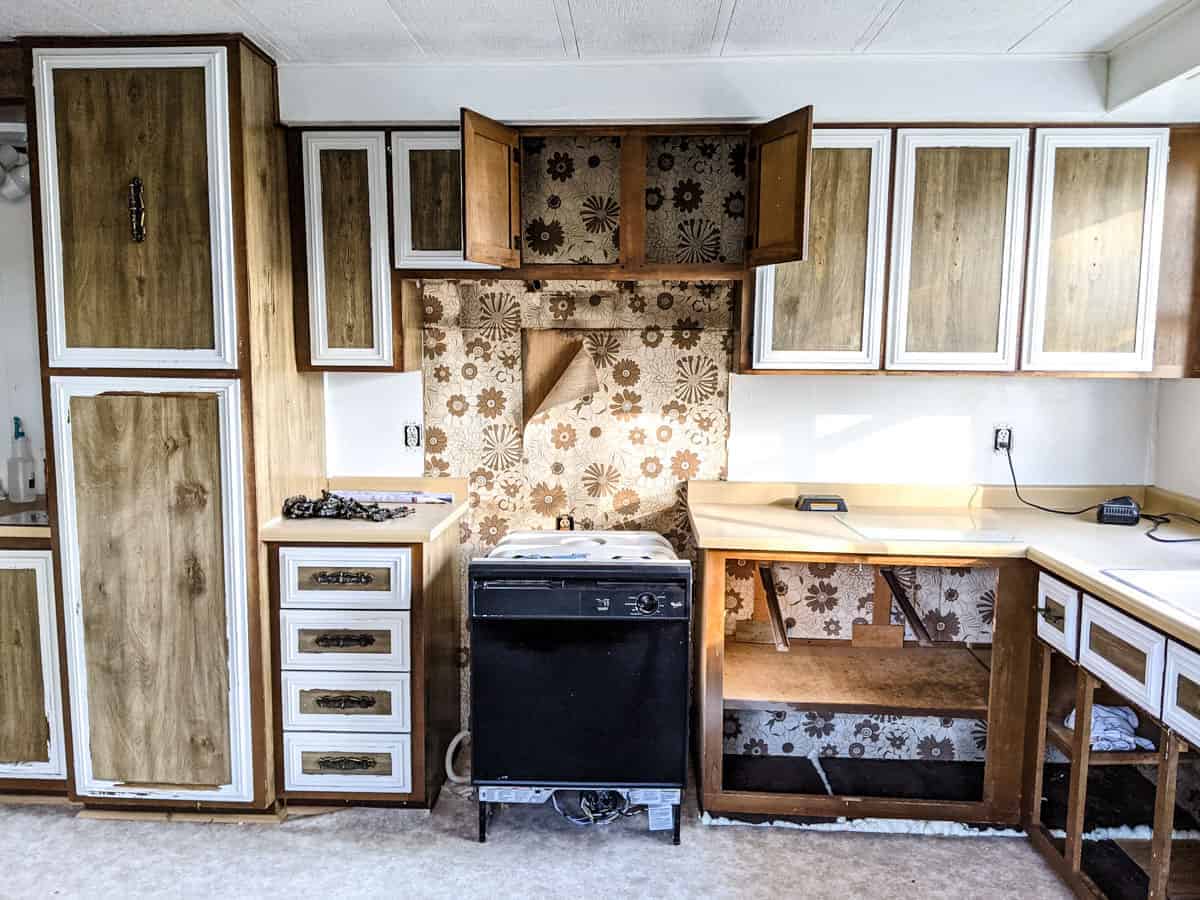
x: 12, y: 72
x: 346, y: 229
x: 435, y: 186
x: 324, y: 640
x: 1122, y: 654
x: 148, y: 495
x: 381, y: 579
x: 345, y: 762
x: 110, y: 126
x: 1177, y: 335
x: 333, y: 702
x: 780, y: 177
x: 24, y: 731
x: 1187, y: 696
x: 1099, y: 204
x: 492, y: 191
x: 819, y: 303
x: 957, y: 264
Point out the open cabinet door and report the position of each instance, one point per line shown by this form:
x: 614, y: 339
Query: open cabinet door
x: 780, y: 170
x: 491, y: 192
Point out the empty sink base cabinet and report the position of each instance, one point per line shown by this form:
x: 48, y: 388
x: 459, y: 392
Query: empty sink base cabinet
x: 367, y: 685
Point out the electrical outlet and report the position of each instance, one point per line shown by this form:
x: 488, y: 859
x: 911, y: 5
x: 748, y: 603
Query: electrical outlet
x: 412, y: 435
x: 1002, y: 438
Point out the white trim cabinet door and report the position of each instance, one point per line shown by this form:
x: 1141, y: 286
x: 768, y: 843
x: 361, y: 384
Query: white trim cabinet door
x: 346, y: 237
x: 1096, y: 235
x: 827, y: 311
x: 152, y: 507
x: 427, y: 200
x: 137, y: 207
x: 957, y: 247
x: 31, y: 732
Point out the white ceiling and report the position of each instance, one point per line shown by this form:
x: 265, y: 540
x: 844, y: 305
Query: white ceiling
x: 375, y: 31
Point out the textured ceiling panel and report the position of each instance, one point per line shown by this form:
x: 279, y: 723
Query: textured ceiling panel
x: 644, y: 27
x: 803, y: 26
x: 1096, y: 25
x: 961, y: 26
x: 335, y: 30
x: 41, y: 17
x: 484, y: 28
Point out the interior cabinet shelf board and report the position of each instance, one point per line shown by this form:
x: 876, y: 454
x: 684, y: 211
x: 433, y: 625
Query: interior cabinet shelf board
x: 1093, y: 266
x: 326, y: 307
x: 427, y: 169
x: 58, y: 255
x: 30, y: 687
x: 81, y: 611
x: 847, y: 260
x: 956, y: 262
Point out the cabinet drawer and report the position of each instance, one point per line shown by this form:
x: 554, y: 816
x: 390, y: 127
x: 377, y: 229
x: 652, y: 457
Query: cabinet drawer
x: 362, y: 641
x: 346, y: 701
x: 345, y: 577
x: 347, y: 762
x: 1181, y: 691
x: 1125, y: 654
x: 1058, y: 614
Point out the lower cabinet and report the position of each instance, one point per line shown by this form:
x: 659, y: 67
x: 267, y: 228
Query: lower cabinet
x: 153, y: 536
x: 31, y: 724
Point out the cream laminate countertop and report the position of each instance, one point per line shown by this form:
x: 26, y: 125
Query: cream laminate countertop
x: 426, y: 525
x: 1076, y: 548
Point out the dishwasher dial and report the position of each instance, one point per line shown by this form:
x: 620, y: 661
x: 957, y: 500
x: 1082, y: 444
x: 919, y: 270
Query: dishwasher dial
x: 647, y: 603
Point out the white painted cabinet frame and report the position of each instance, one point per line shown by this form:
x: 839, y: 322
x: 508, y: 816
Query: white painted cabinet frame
x: 1157, y: 142
x: 879, y: 142
x: 910, y: 140
x: 223, y: 354
x: 381, y: 350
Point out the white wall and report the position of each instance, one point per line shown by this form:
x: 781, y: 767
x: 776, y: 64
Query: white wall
x: 938, y: 429
x: 1178, y: 439
x: 365, y: 417
x: 20, y: 371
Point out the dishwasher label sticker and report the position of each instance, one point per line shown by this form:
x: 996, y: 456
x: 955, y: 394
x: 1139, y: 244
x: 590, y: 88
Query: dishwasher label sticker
x: 653, y: 796
x: 661, y: 818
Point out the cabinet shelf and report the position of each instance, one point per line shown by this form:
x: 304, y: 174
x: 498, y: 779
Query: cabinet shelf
x: 1063, y: 738
x: 935, y: 681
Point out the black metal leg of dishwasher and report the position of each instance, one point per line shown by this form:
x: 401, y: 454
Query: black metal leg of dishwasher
x: 677, y: 812
x: 483, y: 811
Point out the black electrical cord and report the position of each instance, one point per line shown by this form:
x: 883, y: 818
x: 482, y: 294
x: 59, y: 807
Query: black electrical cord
x: 1017, y: 490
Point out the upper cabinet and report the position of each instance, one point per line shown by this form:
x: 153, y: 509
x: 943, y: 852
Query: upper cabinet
x: 350, y: 309
x: 137, y: 217
x: 1098, y: 199
x: 827, y: 312
x: 780, y: 168
x: 957, y: 248
x: 491, y: 163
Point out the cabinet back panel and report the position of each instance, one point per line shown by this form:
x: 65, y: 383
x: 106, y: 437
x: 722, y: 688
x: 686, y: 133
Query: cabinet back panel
x: 819, y: 302
x: 151, y: 560
x: 957, y: 269
x: 1099, y: 204
x: 24, y: 731
x: 112, y: 125
x: 435, y: 186
x: 346, y: 221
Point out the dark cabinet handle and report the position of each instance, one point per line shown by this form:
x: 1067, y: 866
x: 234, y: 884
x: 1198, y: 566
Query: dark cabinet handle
x: 346, y: 701
x: 346, y: 763
x: 345, y: 640
x: 343, y: 577
x: 1052, y: 618
x: 137, y: 211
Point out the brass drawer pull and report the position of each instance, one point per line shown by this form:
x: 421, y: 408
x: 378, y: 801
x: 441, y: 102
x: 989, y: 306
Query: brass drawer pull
x: 345, y: 640
x: 1051, y: 617
x: 346, y: 763
x: 343, y: 577
x: 346, y: 701
x: 137, y: 211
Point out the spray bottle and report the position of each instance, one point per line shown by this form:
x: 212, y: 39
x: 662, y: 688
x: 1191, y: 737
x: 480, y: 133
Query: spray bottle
x: 22, y: 472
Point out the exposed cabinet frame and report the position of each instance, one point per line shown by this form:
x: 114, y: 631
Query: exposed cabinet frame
x: 55, y: 764
x: 233, y: 513
x: 1157, y: 142
x: 382, y: 349
x: 406, y: 256
x: 212, y: 60
x: 909, y: 141
x: 879, y: 142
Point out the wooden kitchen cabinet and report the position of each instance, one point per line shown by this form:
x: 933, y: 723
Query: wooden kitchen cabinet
x: 31, y: 729
x: 957, y: 248
x: 827, y: 312
x: 1095, y: 240
x: 134, y: 168
x: 350, y: 313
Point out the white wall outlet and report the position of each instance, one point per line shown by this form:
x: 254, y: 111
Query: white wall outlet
x: 412, y: 435
x: 1002, y: 438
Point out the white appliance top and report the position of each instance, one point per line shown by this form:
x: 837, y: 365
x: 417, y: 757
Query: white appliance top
x: 585, y: 546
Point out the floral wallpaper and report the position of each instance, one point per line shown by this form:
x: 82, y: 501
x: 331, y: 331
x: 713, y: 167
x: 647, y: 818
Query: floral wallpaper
x: 696, y: 199
x: 570, y: 199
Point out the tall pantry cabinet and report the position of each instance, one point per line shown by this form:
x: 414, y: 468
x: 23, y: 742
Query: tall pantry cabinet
x: 179, y: 418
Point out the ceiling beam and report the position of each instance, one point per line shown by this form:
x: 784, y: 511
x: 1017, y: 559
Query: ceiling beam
x: 1167, y: 50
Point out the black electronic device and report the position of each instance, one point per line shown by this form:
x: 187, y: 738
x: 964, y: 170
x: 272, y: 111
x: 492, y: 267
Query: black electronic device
x: 1119, y: 511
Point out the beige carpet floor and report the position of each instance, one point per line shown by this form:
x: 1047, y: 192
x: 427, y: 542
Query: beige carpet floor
x: 531, y: 852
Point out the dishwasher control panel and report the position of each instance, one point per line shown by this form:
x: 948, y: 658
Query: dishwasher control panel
x: 495, y: 596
